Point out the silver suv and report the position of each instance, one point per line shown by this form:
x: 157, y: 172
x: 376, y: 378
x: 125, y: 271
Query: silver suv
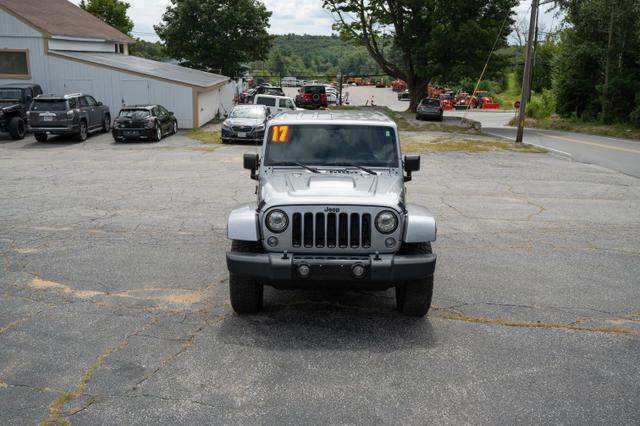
x: 331, y: 212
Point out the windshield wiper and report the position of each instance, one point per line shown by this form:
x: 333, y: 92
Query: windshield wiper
x: 304, y: 166
x: 364, y: 169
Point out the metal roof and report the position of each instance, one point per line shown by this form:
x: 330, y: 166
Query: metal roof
x: 147, y: 67
x: 63, y: 18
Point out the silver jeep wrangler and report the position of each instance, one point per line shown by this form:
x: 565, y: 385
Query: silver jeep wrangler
x: 331, y: 211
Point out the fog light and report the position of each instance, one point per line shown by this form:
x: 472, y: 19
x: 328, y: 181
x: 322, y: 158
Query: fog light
x: 390, y: 242
x: 358, y: 270
x: 272, y: 241
x: 304, y: 271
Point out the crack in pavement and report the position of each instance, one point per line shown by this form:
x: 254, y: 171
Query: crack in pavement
x: 55, y: 408
x: 188, y: 343
x: 450, y: 314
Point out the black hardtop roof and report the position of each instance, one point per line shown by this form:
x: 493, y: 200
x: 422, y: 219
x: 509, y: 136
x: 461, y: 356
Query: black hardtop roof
x: 19, y: 85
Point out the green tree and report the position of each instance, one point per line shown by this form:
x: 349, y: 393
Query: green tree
x: 597, y: 69
x: 149, y: 50
x: 422, y: 40
x: 545, y: 55
x: 216, y: 35
x: 113, y: 12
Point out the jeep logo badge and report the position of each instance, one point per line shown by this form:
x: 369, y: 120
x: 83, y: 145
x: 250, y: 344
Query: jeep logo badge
x: 332, y: 210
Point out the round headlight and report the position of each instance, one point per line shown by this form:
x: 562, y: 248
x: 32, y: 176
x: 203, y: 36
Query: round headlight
x: 386, y: 222
x: 277, y: 221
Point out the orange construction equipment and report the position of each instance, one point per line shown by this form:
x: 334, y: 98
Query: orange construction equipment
x: 399, y: 85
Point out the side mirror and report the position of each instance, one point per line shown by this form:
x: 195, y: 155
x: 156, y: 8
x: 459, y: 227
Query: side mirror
x: 251, y: 162
x: 411, y: 164
x: 226, y: 115
x: 99, y: 103
x: 171, y: 113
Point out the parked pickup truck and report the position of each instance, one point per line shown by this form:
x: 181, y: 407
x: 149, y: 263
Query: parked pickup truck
x: 74, y: 114
x: 331, y: 211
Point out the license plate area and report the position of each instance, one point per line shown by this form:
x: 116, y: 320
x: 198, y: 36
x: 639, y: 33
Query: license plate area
x: 332, y: 268
x: 131, y: 133
x: 242, y: 134
x: 47, y: 118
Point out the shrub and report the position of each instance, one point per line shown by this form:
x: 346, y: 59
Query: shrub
x: 541, y: 105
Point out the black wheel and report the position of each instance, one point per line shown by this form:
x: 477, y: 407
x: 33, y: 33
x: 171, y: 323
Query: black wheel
x: 81, y: 136
x: 413, y: 298
x: 158, y: 135
x: 225, y: 140
x: 174, y: 129
x: 41, y: 137
x: 17, y: 128
x: 106, y: 124
x: 245, y: 293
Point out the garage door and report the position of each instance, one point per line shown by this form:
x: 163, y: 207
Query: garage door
x: 134, y: 92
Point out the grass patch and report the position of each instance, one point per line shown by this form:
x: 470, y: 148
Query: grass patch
x: 466, y: 145
x: 613, y: 130
x: 206, y: 137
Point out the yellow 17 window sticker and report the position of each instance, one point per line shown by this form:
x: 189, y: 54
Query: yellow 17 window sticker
x: 279, y: 134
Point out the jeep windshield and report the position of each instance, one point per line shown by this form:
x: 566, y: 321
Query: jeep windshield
x: 331, y: 145
x: 10, y: 95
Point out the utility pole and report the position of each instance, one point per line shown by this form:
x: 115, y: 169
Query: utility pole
x: 526, y: 78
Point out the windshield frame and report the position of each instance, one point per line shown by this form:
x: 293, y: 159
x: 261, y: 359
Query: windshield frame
x: 396, y: 163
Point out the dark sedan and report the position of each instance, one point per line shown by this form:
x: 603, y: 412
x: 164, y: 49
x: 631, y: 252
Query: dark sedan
x: 429, y: 108
x: 245, y: 123
x: 146, y: 122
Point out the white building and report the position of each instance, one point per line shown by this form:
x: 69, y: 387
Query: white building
x: 67, y: 50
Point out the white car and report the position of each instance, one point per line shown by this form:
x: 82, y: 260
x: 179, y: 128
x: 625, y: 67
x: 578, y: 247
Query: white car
x: 276, y: 104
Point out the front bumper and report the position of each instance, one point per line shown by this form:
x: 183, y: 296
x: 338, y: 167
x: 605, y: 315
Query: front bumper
x: 230, y: 135
x: 133, y: 133
x: 58, y: 130
x: 382, y: 270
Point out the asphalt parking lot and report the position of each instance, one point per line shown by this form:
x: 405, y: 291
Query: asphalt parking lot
x: 114, y: 305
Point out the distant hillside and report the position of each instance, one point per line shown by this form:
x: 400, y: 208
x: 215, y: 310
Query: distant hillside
x: 307, y: 55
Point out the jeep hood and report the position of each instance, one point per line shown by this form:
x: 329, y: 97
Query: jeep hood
x: 9, y: 106
x: 332, y: 188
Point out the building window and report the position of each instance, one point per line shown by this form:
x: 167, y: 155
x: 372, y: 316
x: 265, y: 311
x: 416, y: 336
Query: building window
x: 14, y: 63
x: 121, y: 46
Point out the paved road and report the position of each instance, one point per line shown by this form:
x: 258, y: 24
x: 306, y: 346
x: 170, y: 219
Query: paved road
x: 622, y: 155
x: 114, y: 303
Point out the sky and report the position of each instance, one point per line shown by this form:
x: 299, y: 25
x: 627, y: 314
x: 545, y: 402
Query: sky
x: 289, y: 16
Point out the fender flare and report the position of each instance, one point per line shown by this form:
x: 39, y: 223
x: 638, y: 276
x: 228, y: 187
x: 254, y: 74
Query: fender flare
x: 242, y: 224
x: 420, y: 225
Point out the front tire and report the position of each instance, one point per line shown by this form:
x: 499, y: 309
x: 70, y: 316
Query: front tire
x: 246, y: 293
x: 413, y: 298
x: 17, y: 128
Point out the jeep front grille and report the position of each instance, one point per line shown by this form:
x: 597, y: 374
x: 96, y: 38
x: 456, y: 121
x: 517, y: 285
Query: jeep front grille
x: 331, y: 230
